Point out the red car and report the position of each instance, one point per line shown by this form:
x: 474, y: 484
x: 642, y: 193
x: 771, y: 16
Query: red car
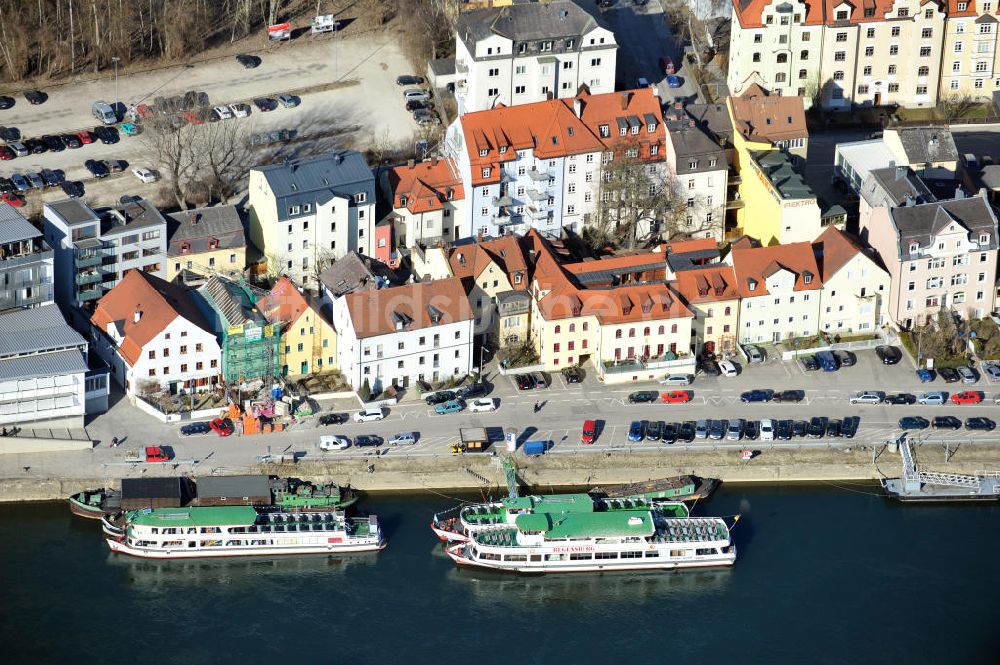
x: 85, y: 137
x: 967, y: 397
x: 144, y: 111
x: 6, y: 153
x: 12, y: 199
x: 222, y: 426
x: 194, y: 118
x: 589, y: 434
x: 676, y: 397
x: 156, y: 454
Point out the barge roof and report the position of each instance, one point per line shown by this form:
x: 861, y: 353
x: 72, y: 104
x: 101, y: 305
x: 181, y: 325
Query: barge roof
x: 555, y: 503
x: 589, y: 525
x: 204, y: 516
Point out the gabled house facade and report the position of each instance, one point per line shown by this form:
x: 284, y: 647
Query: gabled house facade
x: 308, y: 340
x: 206, y: 240
x: 428, y: 202
x: 711, y: 295
x: 855, y: 286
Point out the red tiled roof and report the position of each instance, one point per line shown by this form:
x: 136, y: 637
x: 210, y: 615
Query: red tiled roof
x: 158, y: 303
x: 707, y: 284
x: 283, y: 303
x: 691, y: 245
x: 376, y: 313
x: 552, y: 128
x: 819, y: 12
x: 759, y: 263
x: 834, y: 249
x: 761, y: 116
x: 425, y: 186
x: 617, y: 263
x: 469, y: 261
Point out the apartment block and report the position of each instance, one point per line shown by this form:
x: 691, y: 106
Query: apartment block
x: 427, y: 202
x: 525, y: 53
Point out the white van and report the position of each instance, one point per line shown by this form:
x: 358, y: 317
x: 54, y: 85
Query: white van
x: 369, y: 415
x: 767, y: 430
x: 103, y: 112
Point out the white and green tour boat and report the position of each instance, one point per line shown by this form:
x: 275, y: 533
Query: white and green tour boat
x: 598, y: 541
x: 175, y: 533
x: 450, y: 526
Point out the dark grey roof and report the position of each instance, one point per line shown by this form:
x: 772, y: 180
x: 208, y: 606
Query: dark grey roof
x: 893, y: 186
x: 220, y: 222
x: 236, y: 302
x: 356, y: 272
x: 512, y: 296
x: 131, y: 217
x: 233, y: 486
x: 680, y: 261
x: 783, y: 175
x: 609, y: 274
x: 927, y: 144
x: 25, y: 331
x: 990, y: 176
x: 14, y: 227
x: 313, y: 180
x: 157, y: 488
x: 442, y: 66
x: 713, y: 118
x: 58, y: 363
x: 985, y: 18
x: 921, y: 223
x: 525, y: 22
x: 73, y: 211
x: 691, y: 142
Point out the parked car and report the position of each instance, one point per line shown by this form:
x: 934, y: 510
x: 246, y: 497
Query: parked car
x: 12, y: 199
x: 673, y: 81
x: 329, y: 442
x: 288, y: 101
x: 867, y: 397
x: 72, y: 141
x: 643, y: 397
x: 979, y: 423
x: 144, y: 175
x: 913, y: 422
x: 416, y: 94
x: 473, y: 390
x: 967, y: 397
x: 192, y: 429
x: 73, y: 189
x: 10, y: 134
x: 751, y: 430
x: 115, y: 165
x: 439, y: 397
x: 222, y: 426
x: 677, y: 380
x: 925, y: 375
x: 541, y: 381
x: 35, y: 97
x: 524, y: 381
x: 20, y: 182
x: 572, y: 374
x: 35, y: 146
x: 653, y: 430
x: 850, y: 427
x: 668, y: 432
x: 52, y: 178
x: 817, y: 427
x: 728, y: 369
x: 157, y: 454
x: 403, y: 439
x: 636, y: 430
x: 107, y: 135
x: 991, y: 369
x: 676, y: 397
x: 248, y: 61
x: 223, y: 112
x: 36, y: 180
x: 6, y: 103
x: 901, y: 399
x: 369, y: 415
x: 86, y: 138
x: 833, y: 428
x: 53, y: 143
x: 794, y: 396
x: 484, y: 404
x: 716, y: 429
x: 783, y: 430
x: 708, y: 366
x: 946, y: 422
x: 368, y: 440
x: 687, y: 431
x: 827, y: 361
x: 417, y: 105
x: 759, y: 395
x: 767, y: 430
x: 265, y: 104
x: 6, y: 186
x: 966, y: 374
x: 753, y: 353
x: 931, y: 398
x: 408, y: 79
x: 240, y: 110
x: 800, y: 428
x: 701, y: 429
x: 809, y: 363
x: 589, y: 432
x: 333, y: 419
x: 426, y: 118
x: 845, y: 358
x: 888, y: 355
x: 948, y: 374
x: 451, y: 406
x: 6, y: 153
x: 19, y: 149
x: 735, y: 430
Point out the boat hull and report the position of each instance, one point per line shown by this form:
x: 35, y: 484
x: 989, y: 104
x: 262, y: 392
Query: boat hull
x: 87, y: 511
x: 725, y: 560
x: 446, y: 534
x: 147, y: 553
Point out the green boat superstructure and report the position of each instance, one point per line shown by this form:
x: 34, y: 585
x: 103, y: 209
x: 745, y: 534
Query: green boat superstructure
x: 295, y: 494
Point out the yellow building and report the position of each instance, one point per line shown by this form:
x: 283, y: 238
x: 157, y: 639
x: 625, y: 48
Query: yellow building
x: 308, y: 339
x: 711, y: 295
x: 206, y: 241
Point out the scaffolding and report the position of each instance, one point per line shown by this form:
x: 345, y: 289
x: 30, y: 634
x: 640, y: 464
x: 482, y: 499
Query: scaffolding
x: 250, y: 343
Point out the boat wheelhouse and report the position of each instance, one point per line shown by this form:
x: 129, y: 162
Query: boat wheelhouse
x: 169, y: 533
x: 600, y: 541
x: 477, y: 516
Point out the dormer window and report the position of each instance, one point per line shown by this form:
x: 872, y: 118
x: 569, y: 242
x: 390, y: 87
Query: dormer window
x: 842, y: 15
x: 984, y: 238
x: 402, y: 201
x: 486, y: 173
x: 623, y: 131
x: 914, y: 247
x: 360, y: 197
x: 450, y: 193
x: 293, y: 210
x: 635, y: 130
x: 651, y: 127
x: 807, y: 277
x: 483, y: 152
x: 185, y: 247
x: 213, y: 243
x: 517, y: 278
x: 503, y: 150
x: 752, y: 284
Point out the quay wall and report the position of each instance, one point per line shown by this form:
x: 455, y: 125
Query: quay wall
x: 397, y: 472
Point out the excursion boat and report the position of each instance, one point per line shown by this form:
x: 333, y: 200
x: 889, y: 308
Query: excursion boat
x: 292, y: 494
x: 596, y: 542
x: 677, y: 488
x: 217, y: 531
x: 449, y: 527
x: 95, y: 504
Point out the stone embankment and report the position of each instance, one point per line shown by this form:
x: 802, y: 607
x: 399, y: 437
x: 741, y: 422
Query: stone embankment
x: 398, y: 472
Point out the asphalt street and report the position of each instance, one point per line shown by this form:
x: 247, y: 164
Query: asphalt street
x: 564, y: 407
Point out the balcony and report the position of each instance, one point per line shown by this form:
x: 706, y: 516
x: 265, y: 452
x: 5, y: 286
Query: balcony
x: 88, y: 259
x: 89, y: 277
x: 25, y: 259
x: 89, y: 294
x: 536, y: 195
x: 735, y: 204
x: 503, y: 201
x: 537, y: 175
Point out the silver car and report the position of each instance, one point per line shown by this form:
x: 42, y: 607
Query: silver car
x: 934, y: 399
x: 701, y: 429
x: 754, y: 354
x: 735, y: 430
x: 991, y: 369
x: 403, y: 439
x: 966, y: 374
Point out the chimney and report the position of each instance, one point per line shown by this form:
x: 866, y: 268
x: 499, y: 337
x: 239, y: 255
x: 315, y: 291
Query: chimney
x: 137, y: 315
x: 578, y: 107
x: 959, y: 192
x: 410, y: 164
x: 195, y: 217
x: 625, y: 100
x: 434, y: 161
x: 690, y: 123
x: 900, y: 172
x: 368, y: 263
x: 479, y: 236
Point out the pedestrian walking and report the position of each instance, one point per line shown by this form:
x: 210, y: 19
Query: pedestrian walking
x: 114, y: 442
x: 537, y: 408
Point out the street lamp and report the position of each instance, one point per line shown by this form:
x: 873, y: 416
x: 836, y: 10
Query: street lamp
x: 115, y: 60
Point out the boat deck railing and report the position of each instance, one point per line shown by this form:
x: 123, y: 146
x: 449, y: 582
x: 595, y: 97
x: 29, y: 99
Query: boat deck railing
x: 497, y: 537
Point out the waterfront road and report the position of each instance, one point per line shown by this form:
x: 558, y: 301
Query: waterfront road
x: 564, y: 407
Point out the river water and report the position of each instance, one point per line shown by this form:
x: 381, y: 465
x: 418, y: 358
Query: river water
x: 824, y: 575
